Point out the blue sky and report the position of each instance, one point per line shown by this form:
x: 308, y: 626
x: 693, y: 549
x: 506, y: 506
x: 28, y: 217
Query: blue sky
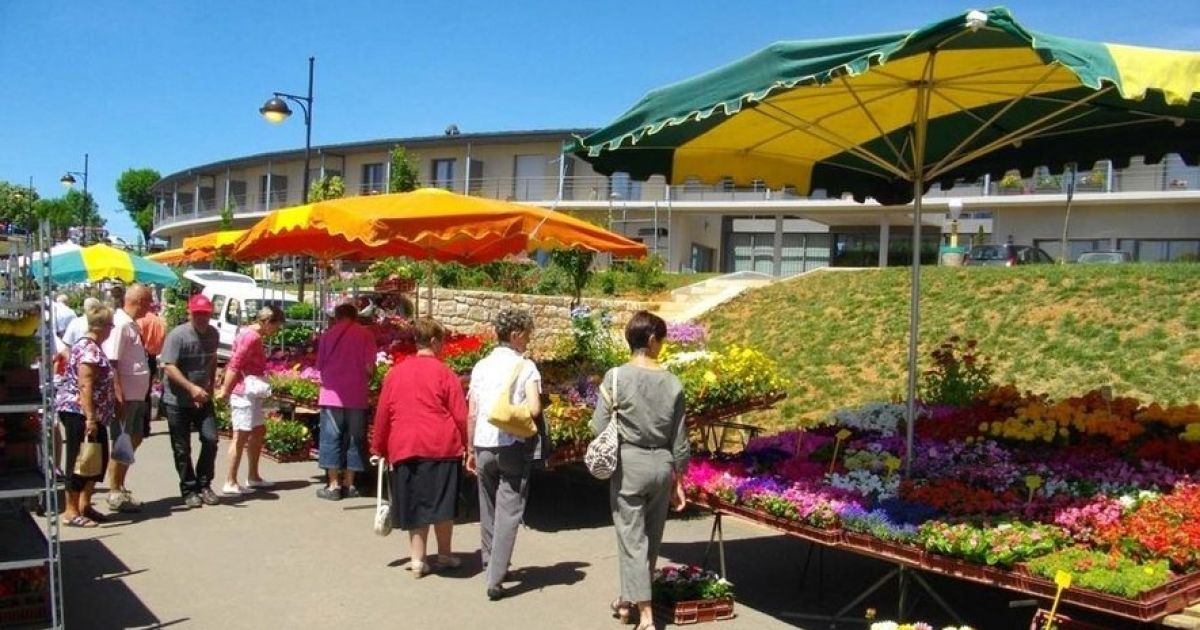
x: 173, y: 84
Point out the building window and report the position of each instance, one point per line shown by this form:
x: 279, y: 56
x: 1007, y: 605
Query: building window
x: 1161, y: 249
x: 237, y: 195
x: 276, y: 197
x: 624, y: 187
x: 443, y: 173
x: 374, y: 181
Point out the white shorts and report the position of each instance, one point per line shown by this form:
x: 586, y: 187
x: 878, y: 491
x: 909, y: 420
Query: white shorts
x: 245, y: 413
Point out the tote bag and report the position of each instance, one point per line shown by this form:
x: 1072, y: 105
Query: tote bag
x: 604, y: 452
x: 512, y: 419
x: 90, y: 459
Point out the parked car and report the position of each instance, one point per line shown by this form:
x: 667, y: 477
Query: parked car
x: 1107, y: 257
x: 1006, y: 255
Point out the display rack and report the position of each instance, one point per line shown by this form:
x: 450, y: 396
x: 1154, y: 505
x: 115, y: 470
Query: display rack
x: 30, y: 557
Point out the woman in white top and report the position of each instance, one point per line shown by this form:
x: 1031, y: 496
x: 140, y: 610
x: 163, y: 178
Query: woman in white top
x: 502, y: 461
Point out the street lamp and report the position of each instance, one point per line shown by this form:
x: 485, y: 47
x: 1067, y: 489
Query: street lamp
x: 956, y: 207
x: 68, y: 180
x: 276, y: 110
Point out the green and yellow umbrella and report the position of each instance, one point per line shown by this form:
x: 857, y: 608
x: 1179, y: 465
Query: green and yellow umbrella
x: 885, y: 116
x: 101, y: 262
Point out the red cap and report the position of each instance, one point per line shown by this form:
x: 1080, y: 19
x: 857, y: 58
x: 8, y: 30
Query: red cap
x: 200, y: 304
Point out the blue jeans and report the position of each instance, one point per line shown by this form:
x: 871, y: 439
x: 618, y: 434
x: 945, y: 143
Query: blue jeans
x: 343, y: 439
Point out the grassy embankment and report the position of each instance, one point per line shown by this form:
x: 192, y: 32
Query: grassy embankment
x: 841, y: 337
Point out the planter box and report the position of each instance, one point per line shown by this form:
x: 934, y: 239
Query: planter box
x: 568, y: 454
x: 1153, y: 604
x: 694, y: 611
x: 25, y: 609
x: 717, y: 414
x: 884, y: 549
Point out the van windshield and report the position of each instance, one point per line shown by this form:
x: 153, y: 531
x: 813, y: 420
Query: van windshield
x: 252, y: 306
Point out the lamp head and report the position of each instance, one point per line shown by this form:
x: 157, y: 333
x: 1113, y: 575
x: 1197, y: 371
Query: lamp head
x: 67, y: 180
x: 955, y: 206
x: 275, y: 110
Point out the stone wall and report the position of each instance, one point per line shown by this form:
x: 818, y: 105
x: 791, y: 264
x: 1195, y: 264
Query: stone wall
x: 472, y: 311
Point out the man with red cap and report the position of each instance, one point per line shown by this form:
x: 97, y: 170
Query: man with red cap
x: 189, y: 358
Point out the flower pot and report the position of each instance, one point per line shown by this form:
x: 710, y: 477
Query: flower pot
x: 694, y: 611
x: 299, y: 455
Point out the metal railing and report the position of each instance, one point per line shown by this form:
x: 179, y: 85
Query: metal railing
x: 1168, y: 176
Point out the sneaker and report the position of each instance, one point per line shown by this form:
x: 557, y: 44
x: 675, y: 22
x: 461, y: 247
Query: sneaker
x: 259, y: 483
x: 329, y: 494
x: 131, y: 501
x: 193, y: 500
x: 122, y: 502
x: 233, y: 490
x: 209, y: 497
x: 351, y: 493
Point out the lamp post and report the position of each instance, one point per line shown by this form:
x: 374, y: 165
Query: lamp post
x: 276, y: 110
x: 955, y: 206
x: 69, y: 180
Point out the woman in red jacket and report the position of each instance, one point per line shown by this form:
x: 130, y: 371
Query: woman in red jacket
x: 421, y: 429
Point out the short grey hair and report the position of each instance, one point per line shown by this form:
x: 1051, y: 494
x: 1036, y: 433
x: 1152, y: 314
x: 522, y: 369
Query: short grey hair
x: 511, y: 320
x: 99, y: 317
x: 90, y: 303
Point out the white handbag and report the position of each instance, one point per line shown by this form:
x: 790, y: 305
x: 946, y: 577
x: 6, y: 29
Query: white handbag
x: 383, y: 509
x: 604, y: 452
x: 255, y: 387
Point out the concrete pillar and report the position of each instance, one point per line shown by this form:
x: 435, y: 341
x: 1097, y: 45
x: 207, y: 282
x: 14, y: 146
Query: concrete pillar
x: 196, y: 198
x: 175, y: 201
x: 777, y: 263
x: 885, y: 225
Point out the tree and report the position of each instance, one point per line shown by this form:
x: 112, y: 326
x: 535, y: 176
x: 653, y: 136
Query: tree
x: 133, y: 191
x: 405, y: 174
x: 578, y: 265
x: 980, y: 237
x: 84, y: 210
x: 59, y: 214
x: 16, y: 204
x: 329, y: 187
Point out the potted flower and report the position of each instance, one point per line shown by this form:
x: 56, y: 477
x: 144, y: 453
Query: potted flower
x: 286, y: 440
x: 1011, y: 183
x: 690, y: 594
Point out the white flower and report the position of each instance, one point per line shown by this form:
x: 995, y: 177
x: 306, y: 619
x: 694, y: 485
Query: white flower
x: 881, y: 418
x: 684, y: 358
x: 885, y: 625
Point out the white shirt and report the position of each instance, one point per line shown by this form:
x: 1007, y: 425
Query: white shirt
x: 75, y: 330
x: 488, y: 379
x: 63, y: 315
x: 124, y: 345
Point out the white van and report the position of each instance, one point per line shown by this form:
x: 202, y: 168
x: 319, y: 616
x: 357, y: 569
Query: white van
x: 236, y: 299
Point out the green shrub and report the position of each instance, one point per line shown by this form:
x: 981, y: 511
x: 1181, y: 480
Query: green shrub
x: 1106, y: 572
x: 648, y: 273
x: 609, y: 281
x: 291, y: 336
x: 285, y: 436
x: 301, y: 311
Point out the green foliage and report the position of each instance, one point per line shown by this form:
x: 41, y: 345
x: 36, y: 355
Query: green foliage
x: 133, y: 191
x: 577, y: 263
x: 980, y: 237
x: 301, y: 312
x: 608, y: 282
x: 647, y: 272
x: 286, y: 436
x: 290, y: 386
x: 17, y: 352
x: 405, y: 174
x: 553, y: 280
x: 1012, y: 181
x: 957, y: 376
x: 1000, y: 545
x: 291, y: 336
x: 591, y: 344
x: 328, y: 187
x: 1109, y: 572
x: 222, y: 415
x: 841, y: 339
x: 683, y: 583
x: 16, y: 205
x: 385, y: 268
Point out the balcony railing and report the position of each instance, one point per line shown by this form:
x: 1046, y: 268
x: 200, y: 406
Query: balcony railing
x: 1138, y: 178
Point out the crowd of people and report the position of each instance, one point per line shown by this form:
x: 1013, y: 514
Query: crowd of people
x: 427, y: 430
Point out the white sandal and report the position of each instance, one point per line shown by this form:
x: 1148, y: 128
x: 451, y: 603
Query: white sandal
x: 419, y: 569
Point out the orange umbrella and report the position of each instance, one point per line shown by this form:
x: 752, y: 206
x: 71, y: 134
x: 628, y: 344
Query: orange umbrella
x: 171, y: 257
x: 429, y: 223
x: 205, y: 246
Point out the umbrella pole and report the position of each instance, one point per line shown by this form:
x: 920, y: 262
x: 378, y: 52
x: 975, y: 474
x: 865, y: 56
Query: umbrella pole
x: 920, y: 134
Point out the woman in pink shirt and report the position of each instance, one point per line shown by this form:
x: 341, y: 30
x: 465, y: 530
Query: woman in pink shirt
x: 346, y: 360
x: 246, y: 406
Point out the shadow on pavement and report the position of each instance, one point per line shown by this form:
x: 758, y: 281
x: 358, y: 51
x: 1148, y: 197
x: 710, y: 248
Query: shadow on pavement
x: 538, y: 578
x: 769, y: 574
x: 95, y: 595
x: 565, y: 499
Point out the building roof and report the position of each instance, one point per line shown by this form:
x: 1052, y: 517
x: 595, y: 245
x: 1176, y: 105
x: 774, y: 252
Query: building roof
x: 494, y: 137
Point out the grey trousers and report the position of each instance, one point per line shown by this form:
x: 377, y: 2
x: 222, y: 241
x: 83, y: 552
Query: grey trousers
x: 503, y: 487
x: 639, y: 495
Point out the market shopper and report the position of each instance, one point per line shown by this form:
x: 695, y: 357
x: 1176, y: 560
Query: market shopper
x: 244, y: 385
x: 346, y: 360
x: 653, y: 457
x: 86, y: 404
x: 131, y: 378
x: 61, y: 314
x: 189, y: 360
x: 503, y: 462
x: 79, y: 326
x: 421, y: 432
x: 154, y: 332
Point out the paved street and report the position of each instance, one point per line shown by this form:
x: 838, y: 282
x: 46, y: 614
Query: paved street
x: 285, y: 559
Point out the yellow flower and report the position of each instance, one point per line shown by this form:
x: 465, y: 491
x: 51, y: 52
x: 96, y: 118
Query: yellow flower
x: 709, y: 377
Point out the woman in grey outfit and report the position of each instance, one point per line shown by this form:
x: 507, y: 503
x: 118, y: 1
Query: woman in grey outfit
x: 654, y: 456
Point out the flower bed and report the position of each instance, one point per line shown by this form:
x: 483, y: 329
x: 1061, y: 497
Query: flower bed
x: 1006, y: 488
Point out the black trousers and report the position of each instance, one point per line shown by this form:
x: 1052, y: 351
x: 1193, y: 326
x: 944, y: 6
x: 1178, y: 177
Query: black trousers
x: 181, y: 421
